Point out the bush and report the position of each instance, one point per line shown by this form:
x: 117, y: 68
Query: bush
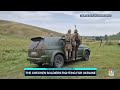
x: 119, y: 42
x: 110, y: 43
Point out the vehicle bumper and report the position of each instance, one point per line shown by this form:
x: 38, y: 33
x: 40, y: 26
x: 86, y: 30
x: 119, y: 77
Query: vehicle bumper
x: 38, y: 60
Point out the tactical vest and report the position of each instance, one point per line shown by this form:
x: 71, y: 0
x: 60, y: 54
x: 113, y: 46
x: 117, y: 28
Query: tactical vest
x: 68, y: 38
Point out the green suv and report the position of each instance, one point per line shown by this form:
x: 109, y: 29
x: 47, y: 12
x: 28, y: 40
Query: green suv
x: 51, y: 50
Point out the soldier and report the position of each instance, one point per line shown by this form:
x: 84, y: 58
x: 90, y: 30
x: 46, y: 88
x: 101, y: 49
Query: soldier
x: 76, y: 43
x: 73, y: 46
x: 68, y: 45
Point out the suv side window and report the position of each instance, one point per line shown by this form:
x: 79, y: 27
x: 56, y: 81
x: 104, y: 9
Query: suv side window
x: 61, y: 42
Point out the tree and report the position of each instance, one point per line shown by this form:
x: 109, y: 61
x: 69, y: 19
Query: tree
x: 106, y: 39
x: 100, y: 41
x: 98, y: 38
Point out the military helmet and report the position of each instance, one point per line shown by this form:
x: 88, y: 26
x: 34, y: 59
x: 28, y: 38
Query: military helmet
x: 75, y: 31
x: 69, y: 31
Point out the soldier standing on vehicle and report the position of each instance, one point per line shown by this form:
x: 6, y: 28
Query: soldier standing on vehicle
x: 68, y: 45
x: 73, y: 46
x: 77, y: 39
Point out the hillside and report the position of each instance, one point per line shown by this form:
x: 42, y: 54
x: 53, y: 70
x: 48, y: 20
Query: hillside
x: 22, y: 30
x: 115, y: 36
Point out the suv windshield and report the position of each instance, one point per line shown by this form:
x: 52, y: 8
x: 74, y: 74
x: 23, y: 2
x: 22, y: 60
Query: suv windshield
x: 36, y: 42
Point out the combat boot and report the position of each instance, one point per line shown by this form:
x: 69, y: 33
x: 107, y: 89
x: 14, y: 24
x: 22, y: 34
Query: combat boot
x: 66, y: 54
x: 76, y: 53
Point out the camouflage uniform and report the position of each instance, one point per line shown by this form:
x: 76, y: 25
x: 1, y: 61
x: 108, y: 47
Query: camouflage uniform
x: 68, y: 46
x: 76, y: 42
x: 73, y: 46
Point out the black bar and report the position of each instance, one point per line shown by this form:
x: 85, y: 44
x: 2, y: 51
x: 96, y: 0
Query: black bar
x: 60, y: 72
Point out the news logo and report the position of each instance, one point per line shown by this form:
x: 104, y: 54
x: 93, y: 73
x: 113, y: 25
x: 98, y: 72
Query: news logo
x: 111, y: 72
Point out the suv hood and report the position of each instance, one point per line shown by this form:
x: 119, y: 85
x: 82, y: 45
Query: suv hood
x: 84, y: 46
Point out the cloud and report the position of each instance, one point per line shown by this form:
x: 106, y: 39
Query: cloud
x: 61, y: 21
x: 62, y: 12
x: 98, y: 29
x: 76, y: 14
x: 114, y: 20
x: 24, y: 15
x: 101, y: 12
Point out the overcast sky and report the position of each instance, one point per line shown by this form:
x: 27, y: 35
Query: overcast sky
x: 61, y: 21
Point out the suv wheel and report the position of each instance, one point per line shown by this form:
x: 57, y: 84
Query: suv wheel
x: 40, y: 64
x: 86, y: 56
x: 58, y: 61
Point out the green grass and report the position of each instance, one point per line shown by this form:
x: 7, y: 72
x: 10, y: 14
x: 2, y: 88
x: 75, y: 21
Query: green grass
x: 13, y: 54
x: 20, y: 30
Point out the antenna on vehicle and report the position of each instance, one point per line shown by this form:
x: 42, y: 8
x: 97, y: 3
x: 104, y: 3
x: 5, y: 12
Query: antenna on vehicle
x: 75, y: 27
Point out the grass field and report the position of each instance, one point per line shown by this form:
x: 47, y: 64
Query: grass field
x: 13, y: 54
